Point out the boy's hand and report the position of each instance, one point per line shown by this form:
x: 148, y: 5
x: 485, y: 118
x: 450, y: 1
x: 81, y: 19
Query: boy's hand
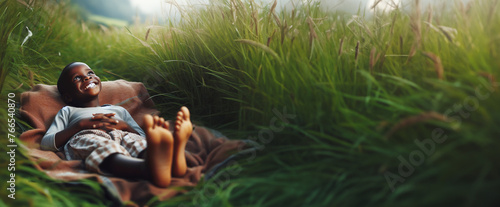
x: 107, y: 123
x: 99, y: 116
x: 98, y: 121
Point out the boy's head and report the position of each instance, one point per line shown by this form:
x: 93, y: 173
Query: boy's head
x: 78, y: 84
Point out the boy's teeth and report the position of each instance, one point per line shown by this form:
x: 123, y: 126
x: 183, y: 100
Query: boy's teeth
x: 91, y: 85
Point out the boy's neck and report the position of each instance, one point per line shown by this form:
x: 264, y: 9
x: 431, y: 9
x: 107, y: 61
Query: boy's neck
x: 91, y: 103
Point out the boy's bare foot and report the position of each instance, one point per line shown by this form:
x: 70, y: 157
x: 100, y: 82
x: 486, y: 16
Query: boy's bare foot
x: 160, y: 150
x: 183, y: 129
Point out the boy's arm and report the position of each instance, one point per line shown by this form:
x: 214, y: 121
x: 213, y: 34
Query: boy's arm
x: 59, y: 132
x: 98, y: 121
x: 63, y: 136
x: 60, y: 123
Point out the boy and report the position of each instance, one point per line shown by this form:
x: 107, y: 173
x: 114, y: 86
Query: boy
x: 108, y: 139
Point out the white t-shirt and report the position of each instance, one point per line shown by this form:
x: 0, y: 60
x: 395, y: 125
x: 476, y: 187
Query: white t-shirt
x: 70, y: 115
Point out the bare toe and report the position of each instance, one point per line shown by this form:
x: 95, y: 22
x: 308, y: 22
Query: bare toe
x: 148, y: 121
x: 182, y: 132
x: 186, y: 113
x: 161, y: 122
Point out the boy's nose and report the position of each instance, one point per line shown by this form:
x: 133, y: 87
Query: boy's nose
x: 87, y: 77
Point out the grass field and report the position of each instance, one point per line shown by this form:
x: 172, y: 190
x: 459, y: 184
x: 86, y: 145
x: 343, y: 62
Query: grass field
x: 108, y: 21
x: 399, y: 109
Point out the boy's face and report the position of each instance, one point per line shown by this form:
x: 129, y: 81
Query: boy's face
x: 82, y: 83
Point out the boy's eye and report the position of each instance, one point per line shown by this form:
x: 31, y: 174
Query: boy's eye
x: 77, y: 78
x: 90, y: 73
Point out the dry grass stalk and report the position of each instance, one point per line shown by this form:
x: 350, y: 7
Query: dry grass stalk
x: 412, y: 120
x: 271, y: 12
x: 381, y: 63
x: 375, y: 4
x: 412, y: 53
x: 261, y: 46
x: 117, y: 75
x: 147, y: 34
x: 448, y: 32
x: 270, y: 38
x: 429, y: 18
x: 469, y: 6
x: 438, y: 66
x: 19, y: 86
x: 312, y: 33
x: 278, y: 22
x: 32, y: 78
x: 357, y: 52
x: 373, y: 61
x: 104, y: 29
x: 233, y: 11
x: 256, y: 22
x: 341, y: 46
x: 382, y: 168
x: 415, y: 24
x: 491, y: 78
x: 284, y: 29
x: 393, y: 23
x: 84, y: 27
x: 145, y: 44
x: 23, y: 3
x: 462, y: 9
x: 330, y: 32
x: 492, y: 12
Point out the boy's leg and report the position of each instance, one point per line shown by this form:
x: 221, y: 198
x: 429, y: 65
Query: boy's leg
x: 124, y: 166
x: 182, y: 132
x: 160, y: 150
x: 94, y: 147
x: 157, y: 163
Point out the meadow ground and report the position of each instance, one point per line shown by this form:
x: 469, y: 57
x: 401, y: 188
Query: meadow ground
x: 396, y: 109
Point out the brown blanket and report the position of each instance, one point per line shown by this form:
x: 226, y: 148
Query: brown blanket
x: 40, y: 105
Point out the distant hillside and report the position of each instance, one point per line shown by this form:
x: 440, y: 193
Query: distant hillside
x: 117, y: 9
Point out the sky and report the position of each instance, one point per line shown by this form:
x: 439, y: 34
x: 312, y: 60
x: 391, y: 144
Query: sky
x: 159, y: 6
x: 162, y: 8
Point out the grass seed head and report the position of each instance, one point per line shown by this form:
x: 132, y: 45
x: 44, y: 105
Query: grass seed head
x: 147, y: 34
x: 312, y: 33
x: 372, y: 59
x: 491, y: 78
x: 438, y: 66
x: 413, y: 120
x: 271, y: 12
x: 261, y: 46
x: 357, y: 52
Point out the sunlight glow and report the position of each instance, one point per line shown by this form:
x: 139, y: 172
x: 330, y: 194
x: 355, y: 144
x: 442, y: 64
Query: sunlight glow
x: 383, y: 5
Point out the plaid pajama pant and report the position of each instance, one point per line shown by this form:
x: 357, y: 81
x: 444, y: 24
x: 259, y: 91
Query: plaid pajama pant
x: 93, y: 146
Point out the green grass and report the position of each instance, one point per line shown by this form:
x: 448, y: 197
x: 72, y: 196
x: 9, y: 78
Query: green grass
x: 358, y: 94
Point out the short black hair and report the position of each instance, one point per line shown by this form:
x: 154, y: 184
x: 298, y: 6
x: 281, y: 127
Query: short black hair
x: 63, y: 80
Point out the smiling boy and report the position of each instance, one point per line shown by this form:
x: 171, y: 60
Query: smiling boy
x: 108, y: 139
